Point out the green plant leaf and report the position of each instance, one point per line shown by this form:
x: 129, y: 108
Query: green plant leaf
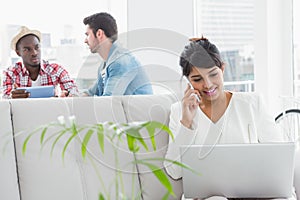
x: 131, y: 143
x: 112, y: 126
x: 67, y: 144
x: 134, y: 133
x: 160, y: 175
x: 48, y: 139
x: 43, y: 134
x: 152, y: 126
x: 170, y: 161
x: 85, y: 141
x: 161, y: 126
x: 74, y: 128
x: 101, y: 197
x: 24, y: 147
x: 100, y: 136
x: 183, y: 166
x: 166, y: 196
x: 57, y: 139
x: 81, y: 129
x: 45, y: 129
x: 151, y: 131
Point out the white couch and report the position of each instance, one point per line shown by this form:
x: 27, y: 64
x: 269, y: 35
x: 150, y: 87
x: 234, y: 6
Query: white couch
x: 9, y: 187
x: 37, y: 175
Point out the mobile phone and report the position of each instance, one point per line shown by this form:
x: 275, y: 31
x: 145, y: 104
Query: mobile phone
x: 191, y: 86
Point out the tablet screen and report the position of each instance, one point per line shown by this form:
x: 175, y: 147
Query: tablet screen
x: 40, y: 91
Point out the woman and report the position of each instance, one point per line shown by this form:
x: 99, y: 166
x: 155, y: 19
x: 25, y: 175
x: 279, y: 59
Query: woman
x: 209, y: 114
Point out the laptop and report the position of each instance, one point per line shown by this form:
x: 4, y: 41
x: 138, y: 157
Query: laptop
x: 239, y: 170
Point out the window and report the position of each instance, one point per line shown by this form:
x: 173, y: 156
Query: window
x: 296, y: 46
x: 230, y: 25
x: 240, y: 28
x: 62, y: 32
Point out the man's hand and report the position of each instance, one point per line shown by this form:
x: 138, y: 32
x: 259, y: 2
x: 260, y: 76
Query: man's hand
x: 19, y: 93
x: 64, y: 93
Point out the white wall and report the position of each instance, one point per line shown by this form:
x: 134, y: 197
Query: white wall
x: 273, y: 51
x: 272, y: 40
x: 157, y: 33
x: 175, y: 15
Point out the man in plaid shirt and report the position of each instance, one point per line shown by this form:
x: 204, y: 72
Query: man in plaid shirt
x: 32, y: 71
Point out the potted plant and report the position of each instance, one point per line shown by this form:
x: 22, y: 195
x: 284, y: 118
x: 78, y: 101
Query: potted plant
x: 128, y: 135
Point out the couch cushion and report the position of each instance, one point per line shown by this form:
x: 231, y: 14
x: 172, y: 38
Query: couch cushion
x: 157, y: 108
x: 9, y: 188
x: 297, y: 173
x: 42, y: 176
x: 98, y: 110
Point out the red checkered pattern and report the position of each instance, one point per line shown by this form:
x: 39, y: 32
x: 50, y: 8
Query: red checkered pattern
x: 50, y: 74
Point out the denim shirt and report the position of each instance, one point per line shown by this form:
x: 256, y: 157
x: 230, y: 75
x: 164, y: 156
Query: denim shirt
x: 124, y: 75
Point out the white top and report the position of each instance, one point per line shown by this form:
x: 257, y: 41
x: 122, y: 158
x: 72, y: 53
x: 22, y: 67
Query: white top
x: 244, y: 121
x: 37, y: 82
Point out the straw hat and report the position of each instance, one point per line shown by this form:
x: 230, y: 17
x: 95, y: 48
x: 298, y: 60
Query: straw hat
x: 23, y: 32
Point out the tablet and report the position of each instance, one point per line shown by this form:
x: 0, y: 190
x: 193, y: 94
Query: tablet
x: 40, y: 91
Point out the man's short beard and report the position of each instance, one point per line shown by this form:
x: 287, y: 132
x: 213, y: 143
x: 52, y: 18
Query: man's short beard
x: 37, y: 65
x: 96, y: 48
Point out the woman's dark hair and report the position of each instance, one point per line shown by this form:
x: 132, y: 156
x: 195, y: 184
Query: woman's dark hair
x: 199, y: 53
x: 105, y: 22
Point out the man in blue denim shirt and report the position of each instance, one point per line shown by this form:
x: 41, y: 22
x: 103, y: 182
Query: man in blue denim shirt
x: 120, y: 73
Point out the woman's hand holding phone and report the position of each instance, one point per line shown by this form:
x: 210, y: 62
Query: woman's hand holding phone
x: 191, y: 87
x: 190, y: 104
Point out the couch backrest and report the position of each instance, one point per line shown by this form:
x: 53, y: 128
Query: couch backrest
x: 297, y: 173
x: 46, y: 177
x: 156, y: 108
x: 9, y: 188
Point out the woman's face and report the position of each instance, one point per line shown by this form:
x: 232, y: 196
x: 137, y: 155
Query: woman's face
x: 207, y: 81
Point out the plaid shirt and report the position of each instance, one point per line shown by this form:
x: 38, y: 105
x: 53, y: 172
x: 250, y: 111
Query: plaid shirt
x: 50, y: 74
